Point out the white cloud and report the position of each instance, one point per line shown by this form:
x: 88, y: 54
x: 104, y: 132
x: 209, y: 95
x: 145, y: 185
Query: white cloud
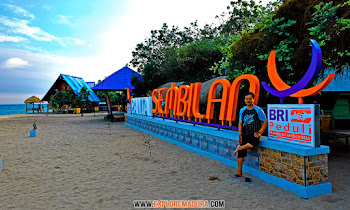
x: 79, y: 42
x: 20, y: 26
x: 15, y: 63
x: 4, y: 38
x: 19, y: 10
x: 61, y: 19
x: 37, y: 49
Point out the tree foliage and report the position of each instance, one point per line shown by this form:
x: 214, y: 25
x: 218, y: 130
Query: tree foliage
x: 65, y: 98
x: 288, y: 31
x: 242, y: 41
x: 117, y: 98
x: 170, y: 54
x: 85, y: 101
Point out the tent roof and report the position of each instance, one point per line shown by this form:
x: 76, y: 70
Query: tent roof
x: 32, y: 99
x: 118, y: 80
x: 341, y: 81
x: 76, y: 83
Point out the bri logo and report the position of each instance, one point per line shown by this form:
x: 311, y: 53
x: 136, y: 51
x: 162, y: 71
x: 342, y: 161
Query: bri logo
x: 300, y: 115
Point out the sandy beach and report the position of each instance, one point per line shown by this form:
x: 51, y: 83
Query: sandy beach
x: 86, y: 162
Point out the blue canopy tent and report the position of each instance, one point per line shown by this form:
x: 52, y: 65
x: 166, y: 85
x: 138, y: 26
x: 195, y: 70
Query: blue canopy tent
x: 118, y: 81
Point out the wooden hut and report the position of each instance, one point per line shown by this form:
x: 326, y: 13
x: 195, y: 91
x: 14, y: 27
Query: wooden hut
x: 33, y: 100
x: 71, y: 84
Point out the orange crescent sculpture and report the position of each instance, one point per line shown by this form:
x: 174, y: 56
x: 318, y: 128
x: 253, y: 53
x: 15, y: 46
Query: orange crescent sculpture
x: 279, y: 84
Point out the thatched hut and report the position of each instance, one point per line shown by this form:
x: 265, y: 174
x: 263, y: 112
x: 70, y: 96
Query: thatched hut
x: 206, y: 87
x: 33, y: 100
x: 168, y: 85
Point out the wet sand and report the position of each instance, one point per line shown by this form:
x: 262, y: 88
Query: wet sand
x: 88, y: 163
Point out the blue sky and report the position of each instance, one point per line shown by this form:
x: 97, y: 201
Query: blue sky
x: 39, y: 39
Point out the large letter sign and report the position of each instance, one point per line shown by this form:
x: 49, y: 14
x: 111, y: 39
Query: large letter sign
x: 183, y: 102
x: 142, y: 106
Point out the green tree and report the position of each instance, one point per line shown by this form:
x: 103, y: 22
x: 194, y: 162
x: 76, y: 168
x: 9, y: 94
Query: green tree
x: 192, y: 62
x: 84, y: 94
x: 242, y: 19
x: 59, y: 99
x: 288, y: 31
x: 243, y: 16
x: 176, y: 55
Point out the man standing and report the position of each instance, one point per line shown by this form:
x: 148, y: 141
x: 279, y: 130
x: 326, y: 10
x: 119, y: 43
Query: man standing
x: 250, y: 129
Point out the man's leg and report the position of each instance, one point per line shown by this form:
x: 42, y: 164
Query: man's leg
x: 246, y: 146
x: 240, y: 164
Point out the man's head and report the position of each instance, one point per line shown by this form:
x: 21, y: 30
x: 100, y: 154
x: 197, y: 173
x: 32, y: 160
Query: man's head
x: 249, y: 99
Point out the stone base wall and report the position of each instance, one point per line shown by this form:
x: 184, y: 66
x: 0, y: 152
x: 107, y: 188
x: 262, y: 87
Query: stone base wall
x: 303, y: 170
x: 317, y: 169
x: 305, y: 174
x: 206, y: 141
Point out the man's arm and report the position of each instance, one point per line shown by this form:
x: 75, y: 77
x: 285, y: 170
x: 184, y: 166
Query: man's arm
x: 262, y: 129
x: 240, y: 131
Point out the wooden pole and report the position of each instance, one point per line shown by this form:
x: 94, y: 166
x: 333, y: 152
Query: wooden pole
x: 108, y: 101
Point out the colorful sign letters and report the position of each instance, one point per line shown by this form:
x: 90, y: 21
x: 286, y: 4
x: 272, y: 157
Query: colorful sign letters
x: 183, y: 101
x: 141, y: 106
x: 294, y: 123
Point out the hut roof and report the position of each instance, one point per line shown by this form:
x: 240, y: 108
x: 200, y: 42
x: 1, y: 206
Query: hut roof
x: 118, y: 80
x: 76, y: 83
x: 206, y: 87
x: 168, y: 85
x: 32, y: 100
x: 341, y: 81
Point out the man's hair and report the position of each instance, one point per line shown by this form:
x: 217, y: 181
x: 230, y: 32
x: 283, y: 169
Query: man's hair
x: 250, y: 93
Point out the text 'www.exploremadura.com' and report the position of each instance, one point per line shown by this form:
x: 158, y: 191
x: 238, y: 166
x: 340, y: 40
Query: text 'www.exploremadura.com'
x: 179, y: 204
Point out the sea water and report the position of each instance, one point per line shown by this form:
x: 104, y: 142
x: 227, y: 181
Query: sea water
x: 9, y: 109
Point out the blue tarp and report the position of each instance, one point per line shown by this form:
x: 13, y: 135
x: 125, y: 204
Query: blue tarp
x: 118, y: 80
x: 76, y: 83
x: 341, y: 81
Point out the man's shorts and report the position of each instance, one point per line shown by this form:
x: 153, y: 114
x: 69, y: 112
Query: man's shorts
x: 248, y: 139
